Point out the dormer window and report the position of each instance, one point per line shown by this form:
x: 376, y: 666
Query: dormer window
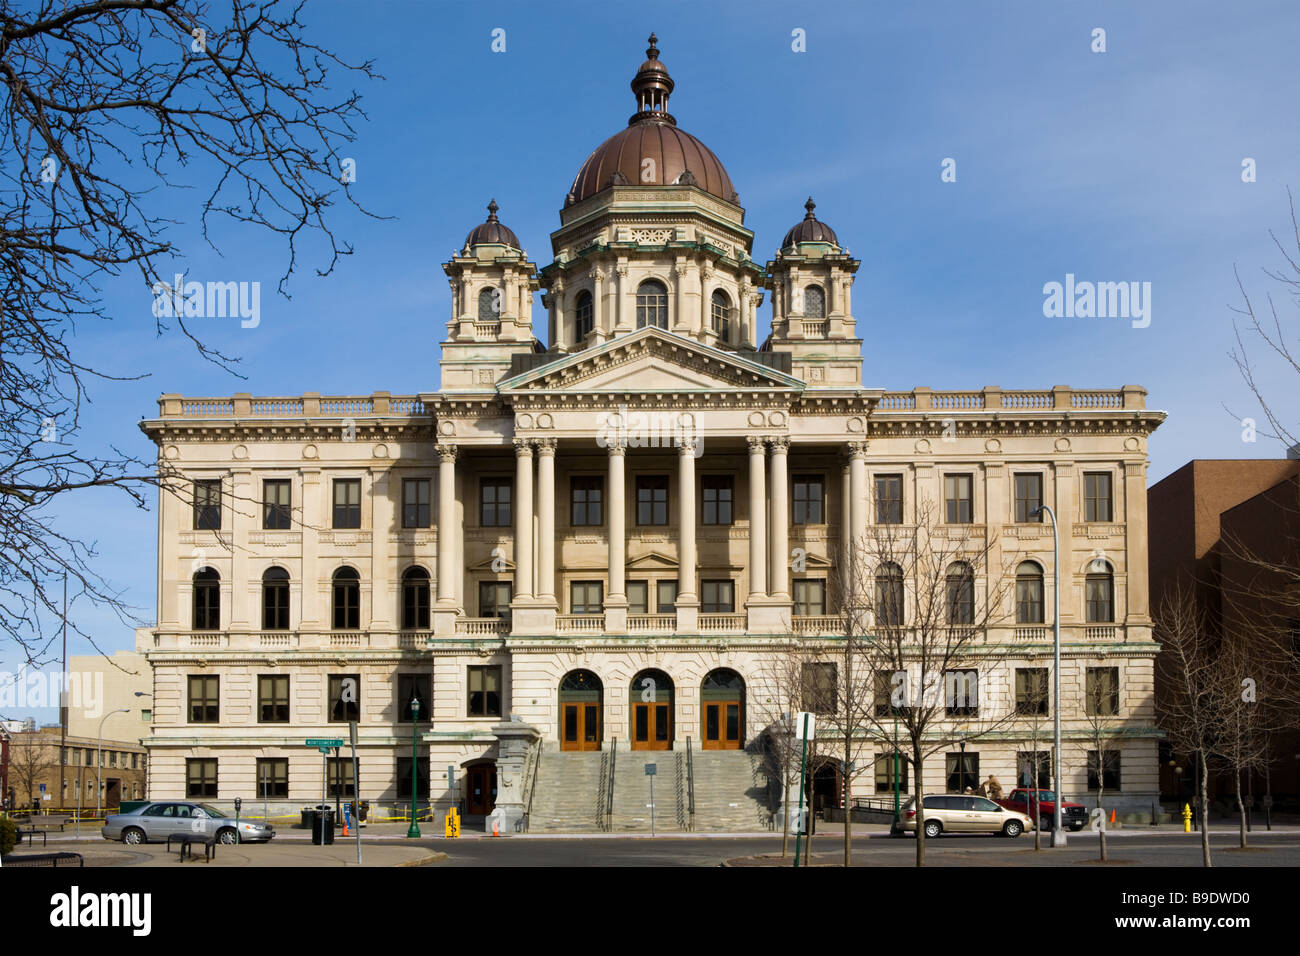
x: 583, y: 321
x: 721, y: 315
x: 814, y: 302
x: 652, y: 304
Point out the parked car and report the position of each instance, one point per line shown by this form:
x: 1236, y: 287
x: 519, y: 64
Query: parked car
x: 963, y: 813
x: 1074, y: 816
x: 155, y: 822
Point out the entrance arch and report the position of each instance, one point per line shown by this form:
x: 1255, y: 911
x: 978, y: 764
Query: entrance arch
x: 722, y: 707
x: 480, y: 787
x: 651, y: 700
x: 581, y: 700
x: 825, y: 783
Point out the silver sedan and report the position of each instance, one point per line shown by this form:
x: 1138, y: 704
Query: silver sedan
x: 155, y: 822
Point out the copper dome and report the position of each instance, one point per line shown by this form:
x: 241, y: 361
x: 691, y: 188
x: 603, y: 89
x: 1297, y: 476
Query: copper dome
x: 810, y: 229
x: 493, y: 231
x: 678, y: 157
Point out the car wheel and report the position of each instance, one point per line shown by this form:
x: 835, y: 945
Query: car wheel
x: 133, y: 836
x: 1012, y: 828
x: 226, y: 836
x: 933, y: 828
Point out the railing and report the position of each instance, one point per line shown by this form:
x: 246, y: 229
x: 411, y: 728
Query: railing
x: 1032, y: 633
x: 1028, y: 400
x: 487, y: 331
x: 413, y: 638
x: 1060, y: 397
x: 1107, y: 399
x: 535, y: 765
x: 609, y: 797
x: 208, y: 640
x: 637, y: 623
x: 817, y: 624
x: 207, y: 408
x: 347, y: 406
x: 897, y: 401
x: 957, y: 401
x: 345, y: 639
x: 482, y: 626
x: 290, y: 406
x: 815, y: 329
x: 690, y: 786
x: 566, y: 623
x: 1104, y: 633
x: 280, y: 639
x: 722, y: 622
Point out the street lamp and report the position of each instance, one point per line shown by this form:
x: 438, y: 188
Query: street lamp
x: 1058, y: 835
x: 99, y: 754
x: 413, y: 830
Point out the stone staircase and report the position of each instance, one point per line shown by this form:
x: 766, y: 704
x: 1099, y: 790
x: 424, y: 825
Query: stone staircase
x: 632, y: 791
x: 569, y: 793
x: 731, y: 791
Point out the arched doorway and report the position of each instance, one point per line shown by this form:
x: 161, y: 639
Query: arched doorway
x: 722, y: 706
x: 581, y: 696
x: 480, y: 788
x: 825, y: 783
x: 652, y: 711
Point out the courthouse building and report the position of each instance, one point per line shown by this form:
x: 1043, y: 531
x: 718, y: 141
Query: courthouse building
x: 576, y: 554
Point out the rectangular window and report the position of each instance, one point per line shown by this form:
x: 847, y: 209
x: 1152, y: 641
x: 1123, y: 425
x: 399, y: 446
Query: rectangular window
x: 651, y: 499
x: 112, y: 758
x: 417, y: 494
x: 889, y: 499
x: 1105, y: 766
x: 885, y: 764
x: 666, y: 597
x: 345, y: 698
x: 716, y: 495
x: 494, y: 497
x: 414, y: 687
x: 1034, y: 769
x: 207, y: 505
x: 1029, y: 498
x: 586, y: 597
x: 957, y: 499
x: 273, y: 777
x: 272, y: 699
x: 819, y: 688
x: 810, y: 597
x: 347, y: 503
x: 809, y: 499
x: 277, y: 510
x: 1097, y: 500
x: 203, y: 700
x: 200, y: 777
x: 638, y: 597
x: 485, y: 692
x: 889, y: 689
x: 341, y: 781
x: 404, y: 778
x: 963, y: 770
x: 135, y: 761
x: 1102, y: 689
x: 146, y: 716
x: 717, y: 597
x: 961, y: 690
x: 586, y: 502
x: 1099, y: 598
x: 1031, y: 691
x: 494, y: 599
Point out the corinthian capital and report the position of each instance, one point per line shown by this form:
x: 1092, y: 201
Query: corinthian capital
x: 523, y: 447
x: 447, y: 452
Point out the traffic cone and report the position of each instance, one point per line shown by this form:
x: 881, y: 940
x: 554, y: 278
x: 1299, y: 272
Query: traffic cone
x: 496, y: 826
x: 346, y: 832
x: 1112, y: 815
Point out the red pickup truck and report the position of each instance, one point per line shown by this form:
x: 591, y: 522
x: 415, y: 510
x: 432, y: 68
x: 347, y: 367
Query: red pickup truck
x: 1074, y: 816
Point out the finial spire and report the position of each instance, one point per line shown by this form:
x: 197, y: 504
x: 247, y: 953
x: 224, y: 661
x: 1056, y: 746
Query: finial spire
x: 652, y: 86
x: 810, y: 206
x: 653, y: 52
x: 492, y: 211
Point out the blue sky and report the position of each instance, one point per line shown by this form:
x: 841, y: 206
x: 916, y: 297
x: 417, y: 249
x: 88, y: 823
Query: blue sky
x: 1115, y: 166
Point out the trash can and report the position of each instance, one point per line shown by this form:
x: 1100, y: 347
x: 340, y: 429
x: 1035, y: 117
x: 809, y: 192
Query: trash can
x: 365, y: 812
x: 305, y: 822
x: 322, y: 825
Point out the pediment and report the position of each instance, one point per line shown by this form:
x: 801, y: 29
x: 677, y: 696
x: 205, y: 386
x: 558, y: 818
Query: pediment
x: 649, y: 361
x: 652, y: 561
x: 498, y: 565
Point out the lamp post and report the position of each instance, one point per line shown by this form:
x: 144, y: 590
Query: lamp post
x: 413, y: 830
x: 99, y: 755
x: 1058, y: 835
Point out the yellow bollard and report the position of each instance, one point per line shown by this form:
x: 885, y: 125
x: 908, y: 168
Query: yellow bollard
x: 1187, y: 818
x: 450, y: 814
x: 455, y: 826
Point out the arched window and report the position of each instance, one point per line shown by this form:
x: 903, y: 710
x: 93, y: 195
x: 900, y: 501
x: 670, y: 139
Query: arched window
x: 721, y: 313
x: 275, y: 600
x: 1099, y: 593
x: 889, y: 595
x: 961, y: 593
x: 1029, y: 593
x: 583, y: 317
x: 347, y: 600
x: 415, y: 599
x: 652, y: 304
x: 207, y: 600
x: 489, y: 305
x: 814, y: 302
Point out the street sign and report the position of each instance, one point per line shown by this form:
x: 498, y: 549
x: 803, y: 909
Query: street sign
x: 805, y: 720
x: 651, y: 769
x: 42, y: 788
x: 324, y: 742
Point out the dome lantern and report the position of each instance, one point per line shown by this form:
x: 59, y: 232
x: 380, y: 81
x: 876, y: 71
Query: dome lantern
x: 810, y: 229
x: 652, y: 86
x: 492, y: 232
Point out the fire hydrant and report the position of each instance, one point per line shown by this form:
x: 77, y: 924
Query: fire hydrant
x: 1187, y: 818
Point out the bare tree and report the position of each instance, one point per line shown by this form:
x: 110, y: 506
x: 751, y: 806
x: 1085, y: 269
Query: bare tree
x: 1032, y: 703
x: 105, y: 100
x: 780, y: 694
x: 1247, y: 721
x: 30, y: 759
x: 1102, y: 708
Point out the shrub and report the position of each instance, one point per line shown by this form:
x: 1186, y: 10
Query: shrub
x: 8, y: 835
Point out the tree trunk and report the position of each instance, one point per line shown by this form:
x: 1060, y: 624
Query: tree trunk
x: 1241, y: 810
x: 919, y: 796
x: 785, y: 802
x: 1101, y: 790
x: 1203, y: 787
x: 848, y: 804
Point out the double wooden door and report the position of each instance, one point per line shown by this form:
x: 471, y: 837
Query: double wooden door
x: 481, y: 783
x: 652, y: 726
x: 722, y: 725
x: 580, y: 724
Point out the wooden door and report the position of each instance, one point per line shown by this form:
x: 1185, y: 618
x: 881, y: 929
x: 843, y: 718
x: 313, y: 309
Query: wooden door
x: 652, y: 726
x: 721, y: 725
x: 580, y: 727
x: 481, y: 784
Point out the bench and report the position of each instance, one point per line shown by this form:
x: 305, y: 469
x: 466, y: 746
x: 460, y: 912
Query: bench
x: 45, y: 859
x: 187, y: 841
x: 30, y: 833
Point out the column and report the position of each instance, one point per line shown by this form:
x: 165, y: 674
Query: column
x: 757, y: 519
x: 857, y: 493
x: 447, y: 569
x: 688, y: 602
x: 846, y: 510
x: 546, y: 520
x: 523, y: 507
x: 597, y: 303
x: 779, y: 572
x: 616, y: 599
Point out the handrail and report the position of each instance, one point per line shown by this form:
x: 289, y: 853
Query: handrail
x: 690, y: 785
x: 536, y: 763
x: 609, y: 806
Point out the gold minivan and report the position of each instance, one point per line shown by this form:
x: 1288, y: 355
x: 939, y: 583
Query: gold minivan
x: 964, y: 813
